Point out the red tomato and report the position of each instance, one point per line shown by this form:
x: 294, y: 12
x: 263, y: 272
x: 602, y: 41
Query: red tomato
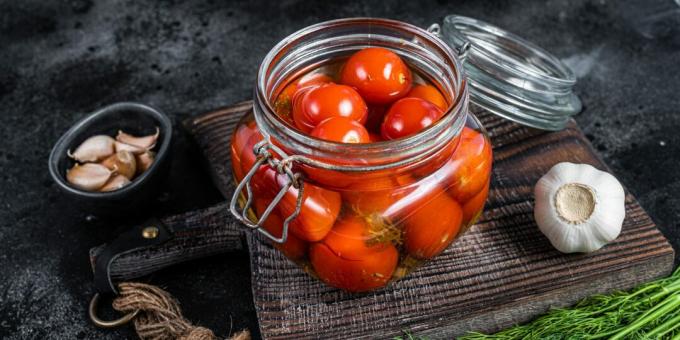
x: 346, y: 259
x: 299, y: 118
x: 473, y: 208
x: 294, y: 248
x: 429, y: 93
x: 379, y: 75
x: 239, y: 145
x: 432, y: 225
x: 470, y: 167
x: 409, y: 116
x: 284, y: 101
x: 436, y: 161
x: 314, y: 104
x: 320, y: 208
x: 376, y: 195
x: 262, y: 181
x: 313, y: 79
x: 341, y: 130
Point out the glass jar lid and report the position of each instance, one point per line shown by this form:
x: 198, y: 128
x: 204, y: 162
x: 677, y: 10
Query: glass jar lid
x: 511, y: 77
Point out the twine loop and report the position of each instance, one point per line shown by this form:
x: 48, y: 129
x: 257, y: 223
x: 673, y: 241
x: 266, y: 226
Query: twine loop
x: 159, y: 316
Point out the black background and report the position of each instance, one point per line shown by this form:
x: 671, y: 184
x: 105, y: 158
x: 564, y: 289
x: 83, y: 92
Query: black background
x: 60, y: 60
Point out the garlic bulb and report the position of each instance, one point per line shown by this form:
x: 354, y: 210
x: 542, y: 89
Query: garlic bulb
x: 579, y: 208
x: 93, y: 149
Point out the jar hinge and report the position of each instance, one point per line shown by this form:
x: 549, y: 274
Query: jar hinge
x: 283, y: 166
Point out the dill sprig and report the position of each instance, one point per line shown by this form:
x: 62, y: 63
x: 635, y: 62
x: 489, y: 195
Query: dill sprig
x: 650, y: 311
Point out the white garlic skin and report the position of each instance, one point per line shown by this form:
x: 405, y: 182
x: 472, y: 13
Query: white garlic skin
x: 115, y: 183
x: 144, y: 161
x: 122, y: 162
x: 89, y: 176
x: 603, y: 225
x: 94, y: 149
x: 120, y: 146
x: 144, y: 142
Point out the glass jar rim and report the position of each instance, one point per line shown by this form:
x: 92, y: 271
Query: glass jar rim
x: 409, y: 147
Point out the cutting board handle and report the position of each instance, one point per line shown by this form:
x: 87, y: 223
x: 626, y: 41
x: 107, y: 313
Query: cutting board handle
x: 193, y: 235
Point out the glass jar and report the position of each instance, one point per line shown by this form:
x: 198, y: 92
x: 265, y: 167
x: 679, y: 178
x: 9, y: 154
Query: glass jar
x: 358, y: 216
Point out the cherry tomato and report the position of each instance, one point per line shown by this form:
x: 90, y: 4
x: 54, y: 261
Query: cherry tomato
x: 294, y: 248
x: 300, y: 119
x: 430, y: 166
x: 239, y: 142
x: 320, y: 209
x: 379, y: 75
x: 470, y: 167
x: 341, y: 130
x: 473, y: 207
x: 429, y: 93
x: 314, y: 104
x: 284, y: 101
x: 376, y: 195
x: 432, y: 225
x: 348, y: 259
x: 262, y: 181
x: 409, y: 116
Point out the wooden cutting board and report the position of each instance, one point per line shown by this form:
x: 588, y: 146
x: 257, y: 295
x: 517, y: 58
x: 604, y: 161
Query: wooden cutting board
x: 503, y: 271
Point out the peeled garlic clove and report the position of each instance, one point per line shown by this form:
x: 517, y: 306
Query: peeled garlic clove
x: 122, y: 162
x: 89, y: 176
x: 144, y: 142
x: 144, y: 161
x: 120, y: 146
x: 94, y: 149
x: 115, y: 183
x: 579, y: 208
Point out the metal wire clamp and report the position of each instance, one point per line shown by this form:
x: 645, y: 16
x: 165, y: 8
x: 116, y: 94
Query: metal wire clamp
x: 265, y: 153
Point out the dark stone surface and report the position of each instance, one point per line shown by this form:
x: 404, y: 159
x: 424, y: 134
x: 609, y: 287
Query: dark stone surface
x: 62, y: 59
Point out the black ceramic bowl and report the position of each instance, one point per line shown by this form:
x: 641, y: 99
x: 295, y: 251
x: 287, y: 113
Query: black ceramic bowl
x: 133, y: 118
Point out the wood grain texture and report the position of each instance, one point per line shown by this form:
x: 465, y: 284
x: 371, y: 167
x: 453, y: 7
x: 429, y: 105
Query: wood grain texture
x: 501, y: 272
x: 204, y: 233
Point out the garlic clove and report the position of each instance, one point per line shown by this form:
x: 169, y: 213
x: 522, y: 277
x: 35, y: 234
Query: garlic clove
x: 89, y: 176
x: 122, y: 162
x: 120, y: 146
x: 144, y: 161
x: 578, y: 207
x: 115, y: 183
x: 144, y: 142
x: 94, y: 149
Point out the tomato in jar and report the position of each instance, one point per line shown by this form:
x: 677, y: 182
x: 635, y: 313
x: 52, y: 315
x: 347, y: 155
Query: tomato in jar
x: 351, y: 259
x: 470, y: 167
x: 314, y: 104
x: 430, y: 94
x: 409, y: 116
x: 430, y: 228
x: 380, y: 76
x: 294, y: 248
x: 341, y: 130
